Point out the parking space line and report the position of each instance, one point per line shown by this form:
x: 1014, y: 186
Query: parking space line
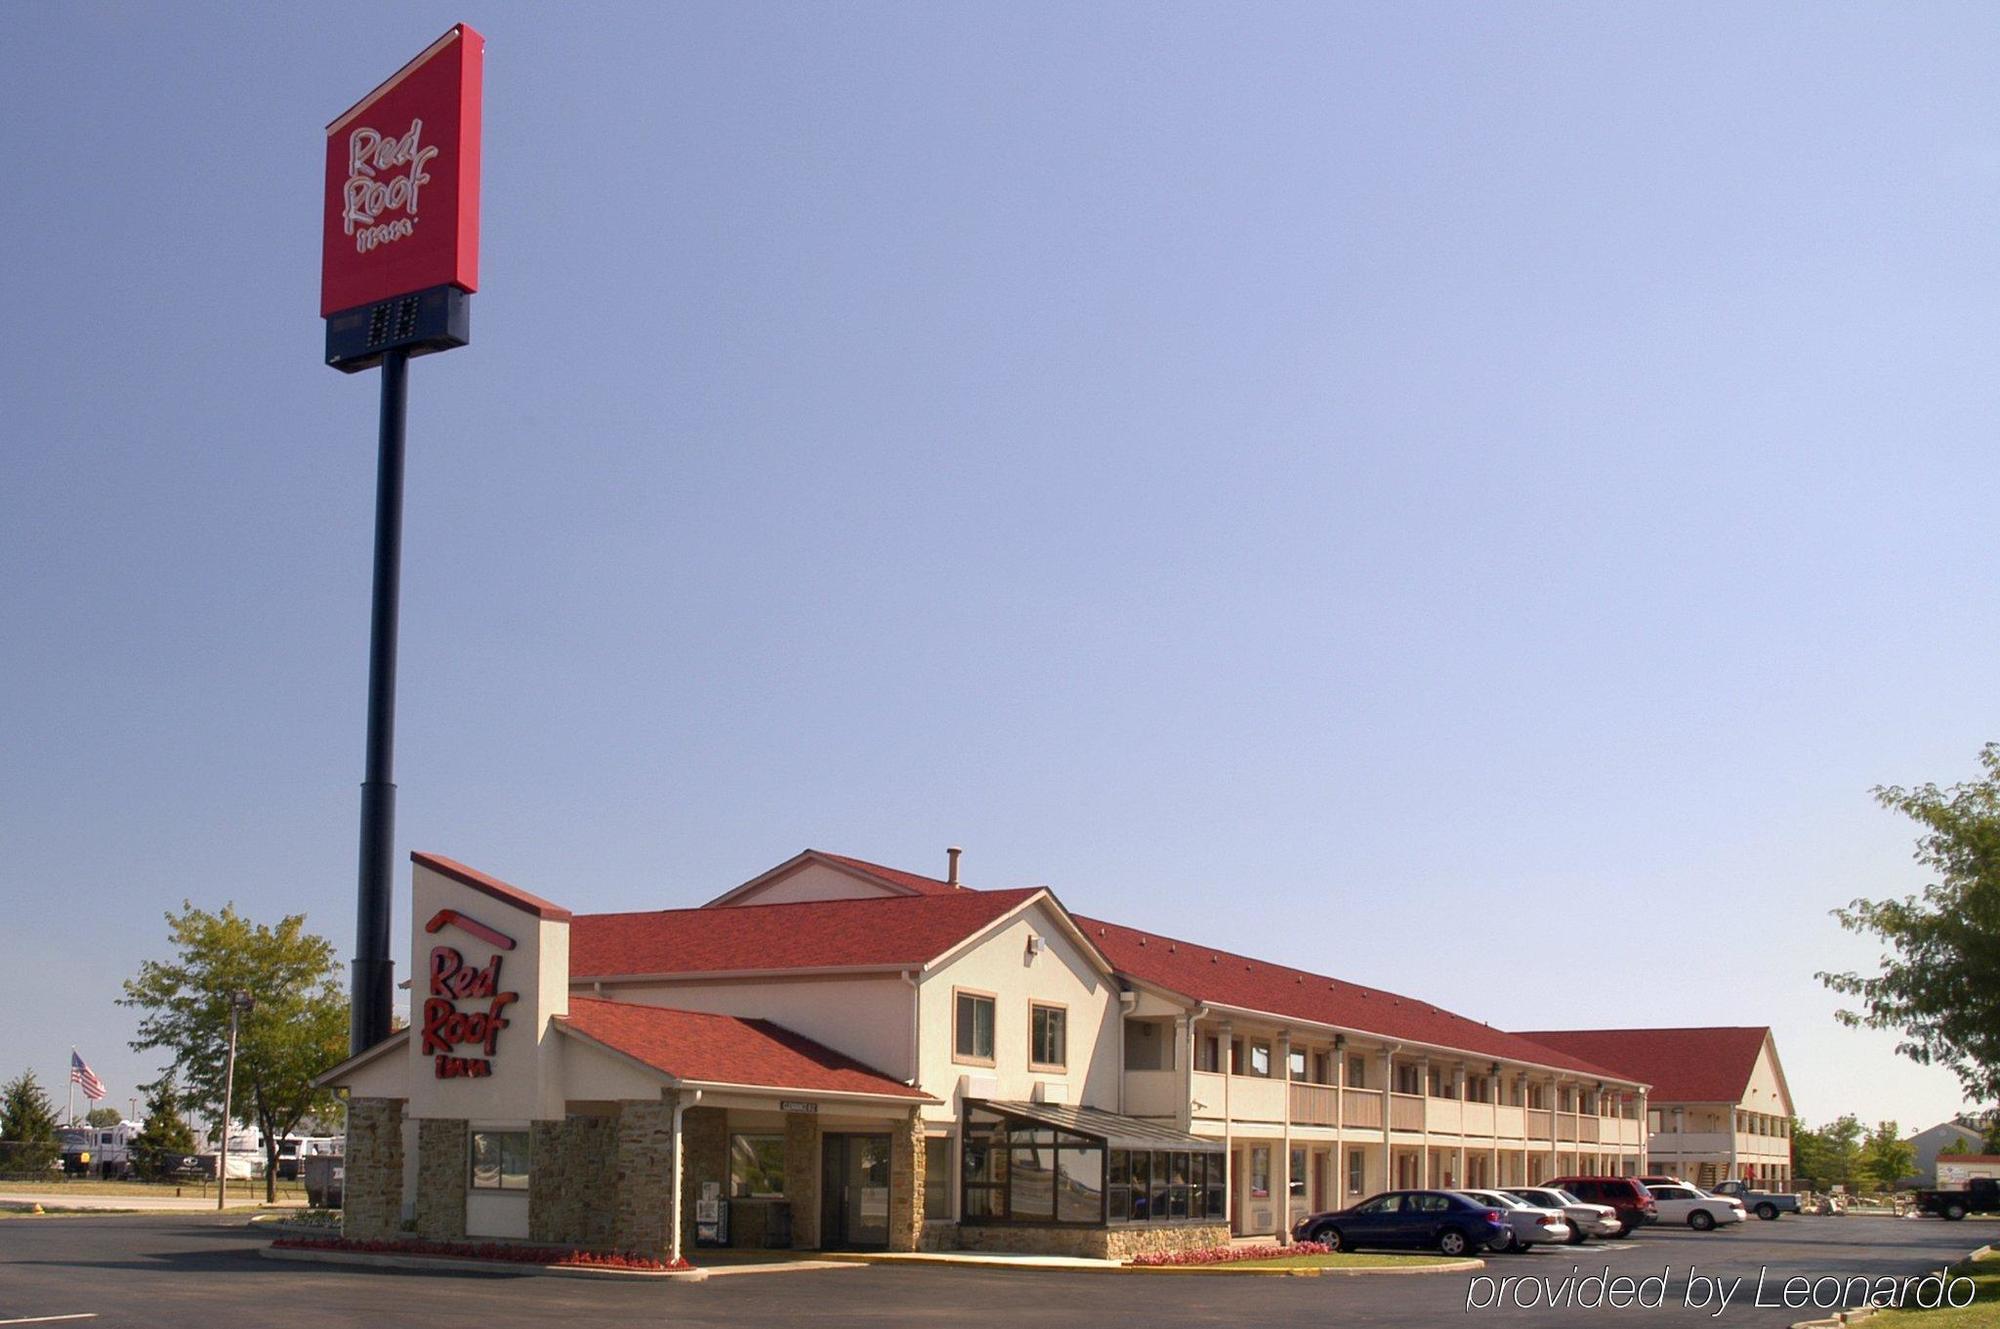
x: 51, y: 1319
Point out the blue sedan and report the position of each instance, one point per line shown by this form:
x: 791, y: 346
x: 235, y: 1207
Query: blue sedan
x: 1444, y: 1221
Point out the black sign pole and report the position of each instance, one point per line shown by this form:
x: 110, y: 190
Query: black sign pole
x: 374, y: 978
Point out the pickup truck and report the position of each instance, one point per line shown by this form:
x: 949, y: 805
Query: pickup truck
x: 1767, y: 1205
x: 1980, y: 1196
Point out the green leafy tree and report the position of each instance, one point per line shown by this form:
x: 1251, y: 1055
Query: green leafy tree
x: 166, y: 1137
x: 297, y: 1029
x: 1939, y: 982
x: 1886, y: 1157
x: 1829, y: 1156
x: 28, y: 1140
x: 103, y: 1118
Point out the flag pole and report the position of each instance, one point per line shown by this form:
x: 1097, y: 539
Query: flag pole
x: 72, y: 1086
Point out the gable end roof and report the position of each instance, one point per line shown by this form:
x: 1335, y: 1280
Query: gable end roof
x: 1690, y: 1065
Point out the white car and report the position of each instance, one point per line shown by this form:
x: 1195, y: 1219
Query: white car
x: 1586, y: 1220
x: 1527, y: 1224
x: 1694, y: 1206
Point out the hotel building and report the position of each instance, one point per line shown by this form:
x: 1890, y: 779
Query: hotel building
x: 837, y: 1053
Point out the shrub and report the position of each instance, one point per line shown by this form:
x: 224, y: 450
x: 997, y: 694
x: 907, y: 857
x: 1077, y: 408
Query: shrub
x: 485, y: 1250
x: 1229, y: 1254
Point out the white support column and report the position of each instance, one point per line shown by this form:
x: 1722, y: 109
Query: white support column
x: 1228, y: 1068
x: 1339, y: 1197
x: 1458, y: 1089
x: 1424, y: 1097
x: 1284, y: 1188
x: 1388, y: 1142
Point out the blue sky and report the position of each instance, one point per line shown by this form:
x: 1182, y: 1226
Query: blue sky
x: 1466, y: 498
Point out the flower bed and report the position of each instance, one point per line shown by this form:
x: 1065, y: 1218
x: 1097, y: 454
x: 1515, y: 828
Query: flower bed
x: 500, y: 1252
x: 1229, y: 1254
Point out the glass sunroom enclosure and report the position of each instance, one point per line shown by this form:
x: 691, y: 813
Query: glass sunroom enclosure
x: 1053, y: 1164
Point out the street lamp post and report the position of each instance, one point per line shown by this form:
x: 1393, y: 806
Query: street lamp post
x: 239, y: 1003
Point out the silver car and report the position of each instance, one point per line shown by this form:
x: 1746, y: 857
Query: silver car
x: 1586, y: 1220
x: 1527, y: 1224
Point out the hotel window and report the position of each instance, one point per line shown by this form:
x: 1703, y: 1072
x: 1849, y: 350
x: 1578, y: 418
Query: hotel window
x: 500, y: 1160
x: 1295, y: 1064
x: 1407, y: 1081
x: 1048, y: 1037
x: 972, y: 1039
x: 756, y: 1166
x: 1357, y: 1171
x: 1298, y: 1174
x: 1208, y: 1054
x: 1260, y: 1059
x: 1357, y: 1072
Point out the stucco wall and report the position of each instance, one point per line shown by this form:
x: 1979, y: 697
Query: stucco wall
x: 1000, y: 966
x: 526, y: 1083
x: 813, y: 881
x: 868, y: 1018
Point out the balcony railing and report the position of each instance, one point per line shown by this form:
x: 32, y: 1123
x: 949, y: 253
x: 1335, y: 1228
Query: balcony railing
x: 1315, y: 1104
x: 1539, y: 1124
x: 1590, y: 1130
x: 1362, y: 1109
x: 1406, y: 1112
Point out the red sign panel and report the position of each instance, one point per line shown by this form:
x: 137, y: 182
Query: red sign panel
x: 402, y: 181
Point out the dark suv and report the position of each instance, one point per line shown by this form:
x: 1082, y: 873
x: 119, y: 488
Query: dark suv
x: 1630, y: 1198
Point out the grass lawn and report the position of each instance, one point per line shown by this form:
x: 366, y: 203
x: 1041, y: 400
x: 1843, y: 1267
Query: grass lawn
x: 1983, y: 1313
x: 239, y: 1188
x: 1337, y: 1260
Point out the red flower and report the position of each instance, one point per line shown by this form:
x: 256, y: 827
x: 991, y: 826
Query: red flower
x: 458, y: 1250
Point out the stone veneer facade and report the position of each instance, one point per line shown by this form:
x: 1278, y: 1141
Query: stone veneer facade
x: 643, y: 1175
x: 442, y: 1162
x: 906, y: 1184
x: 704, y: 1157
x: 574, y: 1166
x: 1120, y: 1242
x: 372, y: 1189
x: 802, y: 1177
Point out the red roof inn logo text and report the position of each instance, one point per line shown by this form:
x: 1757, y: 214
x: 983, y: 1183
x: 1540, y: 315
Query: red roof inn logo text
x: 446, y: 1028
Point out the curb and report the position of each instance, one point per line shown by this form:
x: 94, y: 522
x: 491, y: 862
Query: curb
x: 1321, y: 1271
x: 436, y: 1264
x: 1861, y: 1314
x: 1205, y: 1270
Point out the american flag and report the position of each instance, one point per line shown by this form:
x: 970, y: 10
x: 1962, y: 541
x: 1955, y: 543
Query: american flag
x: 93, y: 1088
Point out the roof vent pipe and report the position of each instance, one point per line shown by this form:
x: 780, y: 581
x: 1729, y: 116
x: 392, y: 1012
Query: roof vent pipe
x: 951, y: 865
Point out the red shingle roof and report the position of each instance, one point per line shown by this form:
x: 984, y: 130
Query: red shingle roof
x: 1710, y: 1065
x: 909, y: 881
x: 725, y: 1049
x: 1207, y: 974
x: 905, y: 930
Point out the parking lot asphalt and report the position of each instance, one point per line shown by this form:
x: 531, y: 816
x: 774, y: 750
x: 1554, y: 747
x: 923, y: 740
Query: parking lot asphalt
x: 180, y: 1273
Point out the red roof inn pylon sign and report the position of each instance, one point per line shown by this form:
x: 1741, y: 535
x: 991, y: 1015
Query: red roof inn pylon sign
x: 399, y: 260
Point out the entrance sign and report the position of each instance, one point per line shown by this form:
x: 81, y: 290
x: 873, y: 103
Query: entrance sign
x: 399, y: 260
x: 402, y: 181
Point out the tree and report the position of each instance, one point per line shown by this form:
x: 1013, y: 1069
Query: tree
x: 103, y: 1119
x: 166, y: 1137
x: 1886, y: 1157
x: 27, y: 1126
x: 297, y: 1029
x: 1940, y: 984
x: 1829, y: 1156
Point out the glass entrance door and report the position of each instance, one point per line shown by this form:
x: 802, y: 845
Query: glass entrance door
x: 854, y: 1190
